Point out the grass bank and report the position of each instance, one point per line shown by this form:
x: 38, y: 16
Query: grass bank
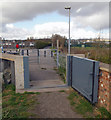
x: 99, y: 54
x: 16, y: 105
x: 85, y: 108
x: 95, y: 53
x: 62, y: 73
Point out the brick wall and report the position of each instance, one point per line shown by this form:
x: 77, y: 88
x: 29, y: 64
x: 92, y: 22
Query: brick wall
x: 104, y: 91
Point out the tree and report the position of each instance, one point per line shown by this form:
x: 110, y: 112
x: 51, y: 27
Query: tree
x: 39, y: 44
x: 61, y: 40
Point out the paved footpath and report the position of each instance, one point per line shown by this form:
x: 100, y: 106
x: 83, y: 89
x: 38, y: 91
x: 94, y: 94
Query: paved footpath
x: 42, y: 73
x: 54, y: 105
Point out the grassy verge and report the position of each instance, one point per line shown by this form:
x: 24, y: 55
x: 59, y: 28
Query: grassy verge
x: 62, y: 72
x: 85, y: 108
x: 16, y: 105
x: 95, y: 53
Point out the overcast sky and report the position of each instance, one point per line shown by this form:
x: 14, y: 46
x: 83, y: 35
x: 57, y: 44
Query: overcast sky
x: 20, y: 20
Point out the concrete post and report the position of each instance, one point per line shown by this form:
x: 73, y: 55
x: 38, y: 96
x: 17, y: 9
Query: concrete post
x: 58, y: 44
x: 57, y: 53
x: 22, y: 72
x: 52, y: 45
x: 1, y: 65
x: 57, y: 59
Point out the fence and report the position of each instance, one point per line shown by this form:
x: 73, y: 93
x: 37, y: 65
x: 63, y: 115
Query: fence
x: 82, y: 75
x: 102, y: 83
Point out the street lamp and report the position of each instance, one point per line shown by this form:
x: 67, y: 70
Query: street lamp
x: 68, y: 8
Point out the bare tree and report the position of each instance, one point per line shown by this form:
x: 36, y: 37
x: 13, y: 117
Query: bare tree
x: 61, y: 40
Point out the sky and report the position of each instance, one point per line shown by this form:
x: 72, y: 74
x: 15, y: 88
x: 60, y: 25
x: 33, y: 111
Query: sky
x: 20, y: 20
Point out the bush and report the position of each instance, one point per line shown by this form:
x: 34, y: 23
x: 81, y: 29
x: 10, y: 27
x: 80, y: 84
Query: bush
x: 42, y: 44
x: 99, y: 54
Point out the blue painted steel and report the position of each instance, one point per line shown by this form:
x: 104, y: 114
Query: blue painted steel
x: 44, y: 53
x: 22, y: 52
x: 69, y: 70
x: 51, y: 53
x: 84, y: 77
x: 27, y: 52
x: 26, y: 71
x: 38, y: 52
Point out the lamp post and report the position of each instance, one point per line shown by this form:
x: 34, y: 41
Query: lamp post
x: 68, y: 8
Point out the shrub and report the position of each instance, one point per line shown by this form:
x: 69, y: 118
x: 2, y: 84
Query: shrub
x: 42, y: 44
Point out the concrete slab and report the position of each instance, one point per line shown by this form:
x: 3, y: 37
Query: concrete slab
x: 43, y: 89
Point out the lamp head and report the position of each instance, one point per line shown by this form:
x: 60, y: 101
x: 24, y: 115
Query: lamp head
x: 68, y: 7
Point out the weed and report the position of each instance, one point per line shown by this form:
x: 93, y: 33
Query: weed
x: 62, y: 91
x: 96, y: 53
x: 62, y: 73
x: 84, y: 107
x: 72, y: 102
x: 104, y: 113
x: 72, y: 95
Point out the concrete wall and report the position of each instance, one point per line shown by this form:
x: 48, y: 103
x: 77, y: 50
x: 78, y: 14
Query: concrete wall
x: 21, y: 73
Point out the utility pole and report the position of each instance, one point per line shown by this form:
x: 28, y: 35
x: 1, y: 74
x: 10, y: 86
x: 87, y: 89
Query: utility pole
x: 69, y: 8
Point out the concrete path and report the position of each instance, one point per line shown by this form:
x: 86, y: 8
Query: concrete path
x: 54, y: 105
x: 42, y: 73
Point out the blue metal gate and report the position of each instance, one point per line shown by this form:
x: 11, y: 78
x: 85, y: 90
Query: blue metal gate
x: 82, y: 75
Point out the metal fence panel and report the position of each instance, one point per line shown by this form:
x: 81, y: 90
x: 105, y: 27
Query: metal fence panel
x: 96, y: 82
x: 26, y: 71
x: 68, y: 70
x: 82, y: 74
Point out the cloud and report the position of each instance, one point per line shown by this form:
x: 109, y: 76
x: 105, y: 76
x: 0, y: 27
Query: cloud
x: 78, y: 10
x: 96, y: 21
x: 9, y: 25
x: 47, y: 29
x: 22, y: 11
x: 12, y: 32
x: 83, y: 15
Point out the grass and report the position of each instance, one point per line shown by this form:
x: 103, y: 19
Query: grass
x: 85, y: 108
x: 95, y: 53
x: 62, y: 73
x: 61, y: 90
x: 16, y: 105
